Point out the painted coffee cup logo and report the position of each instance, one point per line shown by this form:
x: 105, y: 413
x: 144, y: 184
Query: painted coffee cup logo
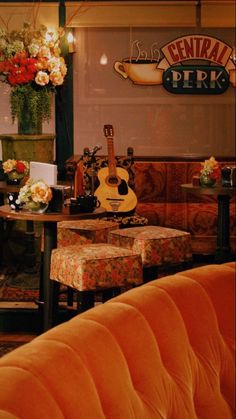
x: 192, y: 64
x: 142, y: 71
x: 143, y: 68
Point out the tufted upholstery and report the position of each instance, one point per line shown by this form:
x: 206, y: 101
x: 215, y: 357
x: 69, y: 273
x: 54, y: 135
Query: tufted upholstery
x: 163, y: 350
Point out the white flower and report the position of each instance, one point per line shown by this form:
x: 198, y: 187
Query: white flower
x: 41, y: 192
x: 33, y: 49
x: 9, y: 165
x: 3, y: 43
x: 24, y: 194
x: 18, y: 46
x: 63, y: 69
x: 35, y: 191
x: 42, y: 78
x: 44, y: 52
x: 56, y: 78
x: 54, y: 64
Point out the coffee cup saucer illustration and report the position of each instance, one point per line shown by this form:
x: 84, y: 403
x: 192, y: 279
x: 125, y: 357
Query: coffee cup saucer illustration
x: 231, y: 68
x: 141, y: 69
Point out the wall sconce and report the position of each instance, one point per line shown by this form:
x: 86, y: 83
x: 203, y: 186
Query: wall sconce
x: 71, y: 44
x: 103, y: 59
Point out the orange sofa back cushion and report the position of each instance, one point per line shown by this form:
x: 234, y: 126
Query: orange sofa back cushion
x: 162, y: 350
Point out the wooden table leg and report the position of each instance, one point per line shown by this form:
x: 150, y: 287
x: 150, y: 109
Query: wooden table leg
x: 223, y: 252
x: 30, y: 253
x: 50, y: 242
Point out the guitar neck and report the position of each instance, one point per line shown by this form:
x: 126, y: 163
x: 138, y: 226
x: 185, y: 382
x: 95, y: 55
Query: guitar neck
x: 111, y: 157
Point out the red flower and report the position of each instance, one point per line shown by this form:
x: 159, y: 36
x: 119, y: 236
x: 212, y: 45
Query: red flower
x: 20, y: 76
x: 20, y: 69
x: 216, y: 173
x: 20, y: 167
x: 32, y: 68
x: 12, y: 80
x: 4, y: 66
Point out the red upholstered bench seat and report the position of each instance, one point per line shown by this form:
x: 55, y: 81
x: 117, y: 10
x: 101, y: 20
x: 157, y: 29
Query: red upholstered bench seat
x: 163, y: 202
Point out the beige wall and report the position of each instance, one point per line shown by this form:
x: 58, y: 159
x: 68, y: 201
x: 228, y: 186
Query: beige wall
x: 148, y: 118
x: 13, y: 15
x: 182, y: 13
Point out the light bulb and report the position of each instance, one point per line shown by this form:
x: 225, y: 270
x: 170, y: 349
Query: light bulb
x: 103, y: 59
x: 70, y: 40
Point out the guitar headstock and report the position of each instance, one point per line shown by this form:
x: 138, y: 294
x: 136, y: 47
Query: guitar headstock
x: 108, y: 131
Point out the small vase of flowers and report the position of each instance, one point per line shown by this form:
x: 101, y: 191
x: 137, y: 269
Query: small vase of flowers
x: 35, y: 195
x: 15, y: 171
x: 31, y: 64
x: 210, y: 173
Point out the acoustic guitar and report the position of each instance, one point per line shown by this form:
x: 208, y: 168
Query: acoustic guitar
x: 113, y: 191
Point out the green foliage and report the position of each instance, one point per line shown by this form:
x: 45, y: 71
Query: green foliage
x: 36, y: 102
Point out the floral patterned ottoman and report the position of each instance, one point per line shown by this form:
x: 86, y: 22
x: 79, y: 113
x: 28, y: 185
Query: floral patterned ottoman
x: 92, y: 269
x: 156, y: 245
x: 93, y: 266
x: 83, y: 231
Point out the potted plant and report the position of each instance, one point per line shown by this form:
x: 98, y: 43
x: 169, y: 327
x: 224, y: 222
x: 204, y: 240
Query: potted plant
x: 35, y: 195
x: 30, y: 62
x: 15, y: 171
x: 209, y: 173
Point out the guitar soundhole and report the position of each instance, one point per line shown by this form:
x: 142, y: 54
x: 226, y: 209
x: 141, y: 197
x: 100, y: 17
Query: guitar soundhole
x: 113, y: 180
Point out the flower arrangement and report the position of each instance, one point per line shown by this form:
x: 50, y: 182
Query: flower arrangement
x: 210, y: 172
x: 15, y: 169
x: 35, y: 195
x: 211, y: 169
x: 31, y: 64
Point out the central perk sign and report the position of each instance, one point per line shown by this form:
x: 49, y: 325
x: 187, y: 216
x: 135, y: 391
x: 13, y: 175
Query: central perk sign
x: 193, y: 64
x: 193, y: 80
x: 200, y: 47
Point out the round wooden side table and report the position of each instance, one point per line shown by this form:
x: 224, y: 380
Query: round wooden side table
x: 49, y: 221
x: 224, y: 194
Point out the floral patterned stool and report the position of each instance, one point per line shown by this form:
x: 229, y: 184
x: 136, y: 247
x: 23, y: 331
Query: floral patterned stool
x: 158, y: 246
x: 92, y: 268
x: 84, y: 231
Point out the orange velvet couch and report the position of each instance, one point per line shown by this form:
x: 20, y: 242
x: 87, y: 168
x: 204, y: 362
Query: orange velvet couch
x: 162, y: 350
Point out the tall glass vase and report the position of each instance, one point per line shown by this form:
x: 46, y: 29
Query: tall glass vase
x: 30, y: 106
x: 27, y: 123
